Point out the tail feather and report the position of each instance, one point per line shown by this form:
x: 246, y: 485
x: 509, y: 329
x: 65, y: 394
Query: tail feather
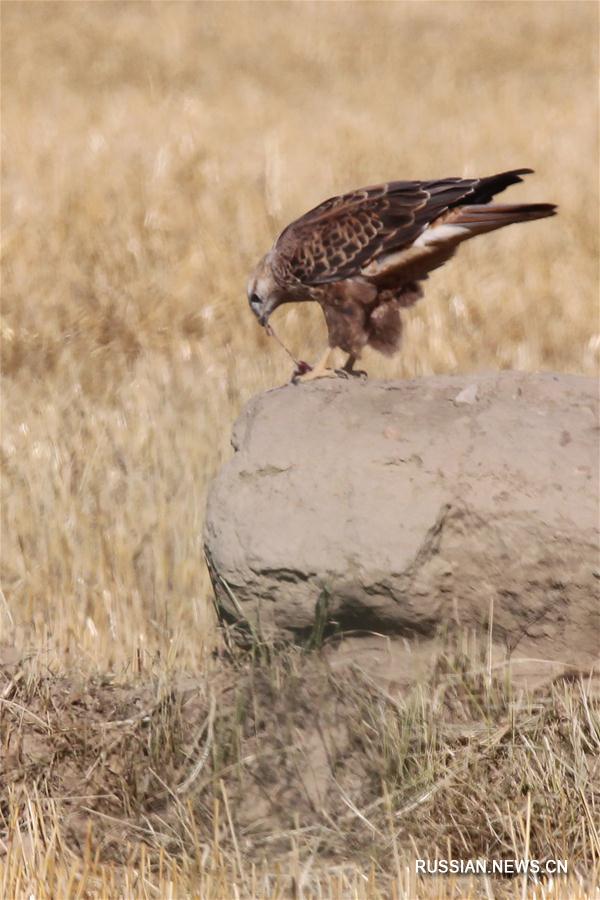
x: 494, y: 184
x: 479, y: 219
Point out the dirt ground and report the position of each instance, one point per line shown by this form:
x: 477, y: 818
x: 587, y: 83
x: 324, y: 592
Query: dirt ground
x: 272, y: 755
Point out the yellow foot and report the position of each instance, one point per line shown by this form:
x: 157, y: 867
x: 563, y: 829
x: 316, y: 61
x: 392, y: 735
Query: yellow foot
x: 317, y: 372
x: 305, y: 373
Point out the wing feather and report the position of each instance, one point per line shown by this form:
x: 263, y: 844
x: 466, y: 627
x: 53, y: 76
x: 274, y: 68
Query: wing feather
x: 437, y: 243
x: 345, y: 234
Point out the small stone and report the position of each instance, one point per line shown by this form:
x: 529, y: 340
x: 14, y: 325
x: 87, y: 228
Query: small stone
x: 467, y: 395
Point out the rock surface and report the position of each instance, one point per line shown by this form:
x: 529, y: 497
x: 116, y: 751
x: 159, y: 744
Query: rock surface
x: 406, y: 508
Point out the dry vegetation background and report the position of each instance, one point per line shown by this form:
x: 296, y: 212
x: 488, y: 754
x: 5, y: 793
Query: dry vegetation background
x: 150, y: 154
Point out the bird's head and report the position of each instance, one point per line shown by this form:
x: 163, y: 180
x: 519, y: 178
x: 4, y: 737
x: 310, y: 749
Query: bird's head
x: 264, y: 294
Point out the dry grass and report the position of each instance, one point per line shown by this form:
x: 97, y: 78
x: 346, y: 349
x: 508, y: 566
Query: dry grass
x: 275, y: 775
x: 150, y: 153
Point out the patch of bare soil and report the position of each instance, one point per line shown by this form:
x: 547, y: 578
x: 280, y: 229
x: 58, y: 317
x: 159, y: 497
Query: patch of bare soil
x: 273, y: 753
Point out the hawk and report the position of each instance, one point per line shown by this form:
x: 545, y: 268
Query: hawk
x: 363, y: 255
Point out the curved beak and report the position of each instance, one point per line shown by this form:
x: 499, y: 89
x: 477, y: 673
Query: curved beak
x: 264, y: 313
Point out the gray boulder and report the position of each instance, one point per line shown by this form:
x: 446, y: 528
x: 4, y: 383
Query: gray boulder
x: 405, y: 508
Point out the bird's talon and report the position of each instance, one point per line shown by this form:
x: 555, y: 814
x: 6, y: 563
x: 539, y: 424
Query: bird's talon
x: 314, y: 374
x: 353, y: 373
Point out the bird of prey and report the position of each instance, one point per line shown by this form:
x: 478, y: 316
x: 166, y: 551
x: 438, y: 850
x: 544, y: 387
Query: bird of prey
x: 362, y: 256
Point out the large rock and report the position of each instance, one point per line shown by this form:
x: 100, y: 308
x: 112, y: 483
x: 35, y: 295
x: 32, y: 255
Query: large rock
x: 403, y: 507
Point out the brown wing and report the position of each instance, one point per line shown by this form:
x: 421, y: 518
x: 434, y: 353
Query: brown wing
x: 339, y: 237
x: 440, y: 241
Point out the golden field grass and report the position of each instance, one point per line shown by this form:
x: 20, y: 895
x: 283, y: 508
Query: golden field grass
x: 205, y: 787
x: 150, y: 154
